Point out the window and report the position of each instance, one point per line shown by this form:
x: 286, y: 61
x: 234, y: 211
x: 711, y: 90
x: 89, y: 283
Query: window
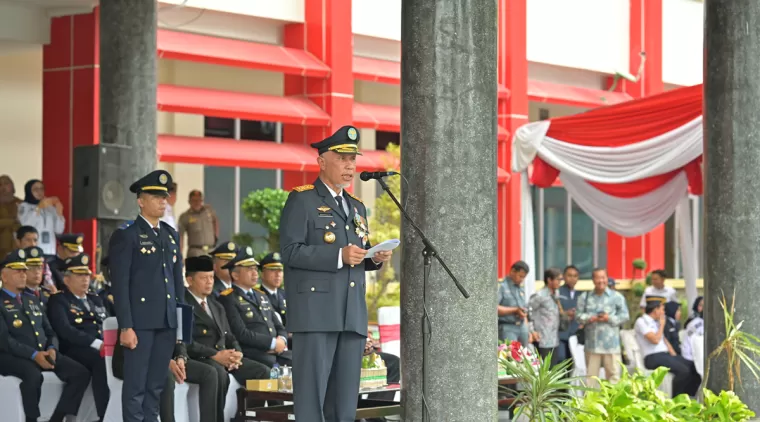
x: 565, y: 234
x: 225, y: 188
x: 382, y: 139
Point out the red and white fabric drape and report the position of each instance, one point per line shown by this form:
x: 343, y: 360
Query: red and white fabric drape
x: 628, y: 166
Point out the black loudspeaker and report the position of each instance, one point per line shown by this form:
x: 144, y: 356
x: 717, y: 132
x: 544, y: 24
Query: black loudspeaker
x: 102, y: 175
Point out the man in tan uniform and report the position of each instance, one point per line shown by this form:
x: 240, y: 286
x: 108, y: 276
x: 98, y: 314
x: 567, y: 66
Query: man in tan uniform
x: 201, y: 226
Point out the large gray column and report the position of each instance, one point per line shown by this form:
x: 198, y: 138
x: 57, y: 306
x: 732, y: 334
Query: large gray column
x: 128, y: 75
x: 448, y: 128
x: 732, y: 171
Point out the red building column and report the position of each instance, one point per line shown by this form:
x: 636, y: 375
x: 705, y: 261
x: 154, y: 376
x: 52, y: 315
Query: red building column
x: 326, y: 33
x: 645, y: 36
x: 70, y: 108
x: 513, y: 112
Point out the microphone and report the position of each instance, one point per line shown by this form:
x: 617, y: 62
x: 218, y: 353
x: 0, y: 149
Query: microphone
x: 367, y: 175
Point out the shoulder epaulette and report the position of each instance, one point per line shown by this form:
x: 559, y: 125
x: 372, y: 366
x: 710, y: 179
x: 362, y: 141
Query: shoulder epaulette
x: 126, y: 224
x: 260, y: 290
x: 56, y: 292
x: 351, y: 195
x: 303, y: 188
x: 226, y: 292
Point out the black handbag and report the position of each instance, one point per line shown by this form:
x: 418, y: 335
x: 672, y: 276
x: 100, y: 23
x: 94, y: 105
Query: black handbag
x: 580, y: 334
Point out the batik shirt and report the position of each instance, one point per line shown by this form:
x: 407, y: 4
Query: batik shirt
x: 544, y: 314
x: 602, y: 337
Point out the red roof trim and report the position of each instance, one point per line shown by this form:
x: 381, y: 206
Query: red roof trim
x: 215, y: 103
x: 378, y: 117
x: 548, y: 92
x: 389, y: 72
x: 235, y: 53
x: 254, y: 154
x: 262, y: 155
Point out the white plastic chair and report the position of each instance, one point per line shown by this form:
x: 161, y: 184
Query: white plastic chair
x: 389, y: 321
x: 113, y: 411
x: 628, y: 338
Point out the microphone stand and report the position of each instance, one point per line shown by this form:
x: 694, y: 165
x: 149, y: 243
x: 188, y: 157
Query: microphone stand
x: 428, y: 253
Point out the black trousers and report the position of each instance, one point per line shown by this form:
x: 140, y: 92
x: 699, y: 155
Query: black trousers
x: 75, y: 377
x: 91, y: 359
x: 685, y: 376
x: 326, y: 373
x: 210, y: 397
x: 145, y: 370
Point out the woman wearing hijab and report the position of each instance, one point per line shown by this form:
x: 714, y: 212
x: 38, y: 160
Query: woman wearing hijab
x: 43, y: 213
x: 8, y: 215
x: 695, y: 325
x: 673, y: 325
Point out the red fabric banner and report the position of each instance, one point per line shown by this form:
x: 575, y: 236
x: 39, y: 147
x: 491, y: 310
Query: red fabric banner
x: 390, y: 333
x: 624, y: 124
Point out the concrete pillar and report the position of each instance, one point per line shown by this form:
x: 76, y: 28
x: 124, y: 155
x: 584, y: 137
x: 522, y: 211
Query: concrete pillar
x: 128, y: 77
x: 732, y: 201
x: 448, y: 95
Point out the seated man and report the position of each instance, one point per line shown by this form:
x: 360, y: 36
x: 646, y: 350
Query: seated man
x: 77, y: 317
x: 271, y: 284
x: 251, y: 317
x: 35, y: 262
x: 30, y: 345
x: 69, y: 246
x: 222, y: 255
x: 213, y: 343
x: 658, y: 352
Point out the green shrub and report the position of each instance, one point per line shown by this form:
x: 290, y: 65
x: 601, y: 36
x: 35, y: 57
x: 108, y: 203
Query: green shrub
x: 635, y: 398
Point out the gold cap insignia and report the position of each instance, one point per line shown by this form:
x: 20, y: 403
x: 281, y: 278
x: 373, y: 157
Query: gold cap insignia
x: 163, y: 179
x: 276, y: 256
x: 249, y: 250
x: 80, y: 239
x: 231, y: 246
x: 21, y: 254
x: 35, y: 253
x: 85, y: 260
x: 352, y: 134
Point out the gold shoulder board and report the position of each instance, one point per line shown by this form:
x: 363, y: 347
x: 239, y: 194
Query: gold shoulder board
x: 303, y: 188
x: 226, y: 292
x: 260, y: 290
x: 56, y: 292
x: 351, y: 195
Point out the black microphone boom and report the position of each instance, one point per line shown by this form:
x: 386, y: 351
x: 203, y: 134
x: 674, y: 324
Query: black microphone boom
x: 367, y: 175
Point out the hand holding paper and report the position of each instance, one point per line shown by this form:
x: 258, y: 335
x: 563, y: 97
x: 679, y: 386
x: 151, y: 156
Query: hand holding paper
x: 388, y: 245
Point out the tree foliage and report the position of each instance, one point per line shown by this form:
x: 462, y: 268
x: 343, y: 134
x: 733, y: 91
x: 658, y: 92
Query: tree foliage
x: 385, y: 224
x: 264, y: 207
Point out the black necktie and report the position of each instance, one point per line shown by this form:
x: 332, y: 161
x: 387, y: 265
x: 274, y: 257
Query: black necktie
x: 339, y: 199
x: 155, y: 229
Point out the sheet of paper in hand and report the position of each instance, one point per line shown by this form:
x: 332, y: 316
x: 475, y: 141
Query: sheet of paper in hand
x: 388, y: 245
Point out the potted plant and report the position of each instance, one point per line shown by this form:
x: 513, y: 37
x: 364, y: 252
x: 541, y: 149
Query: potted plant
x: 546, y: 392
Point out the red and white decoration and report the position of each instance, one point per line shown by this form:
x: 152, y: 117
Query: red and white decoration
x: 629, y: 166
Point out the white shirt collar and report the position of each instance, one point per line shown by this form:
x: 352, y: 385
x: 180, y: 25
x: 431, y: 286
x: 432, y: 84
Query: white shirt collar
x: 151, y: 224
x: 271, y: 292
x: 332, y: 192
x: 226, y: 284
x: 200, y: 301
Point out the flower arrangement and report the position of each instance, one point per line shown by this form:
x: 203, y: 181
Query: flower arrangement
x: 514, y: 352
x: 374, y: 374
